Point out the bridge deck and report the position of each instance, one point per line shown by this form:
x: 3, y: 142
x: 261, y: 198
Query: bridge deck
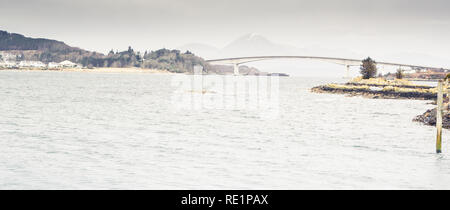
x: 341, y: 61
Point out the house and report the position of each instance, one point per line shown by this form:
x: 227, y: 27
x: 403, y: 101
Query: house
x: 7, y: 60
x: 7, y: 56
x: 53, y: 65
x: 68, y: 64
x: 412, y: 71
x: 8, y: 64
x: 31, y: 64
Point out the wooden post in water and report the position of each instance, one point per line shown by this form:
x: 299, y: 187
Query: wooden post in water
x: 440, y: 96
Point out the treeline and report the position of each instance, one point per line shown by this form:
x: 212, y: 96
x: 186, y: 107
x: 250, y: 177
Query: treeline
x: 171, y: 60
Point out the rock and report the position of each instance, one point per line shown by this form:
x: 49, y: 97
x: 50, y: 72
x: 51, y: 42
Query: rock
x: 429, y: 118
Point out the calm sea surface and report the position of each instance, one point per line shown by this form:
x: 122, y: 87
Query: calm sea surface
x: 68, y: 130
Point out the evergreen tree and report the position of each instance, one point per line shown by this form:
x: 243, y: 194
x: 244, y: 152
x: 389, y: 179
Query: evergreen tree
x: 130, y: 50
x: 368, y: 68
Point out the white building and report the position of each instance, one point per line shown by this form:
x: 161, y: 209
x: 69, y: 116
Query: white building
x: 8, y: 64
x: 68, y: 64
x: 32, y: 64
x: 7, y: 56
x: 53, y: 65
x: 412, y: 71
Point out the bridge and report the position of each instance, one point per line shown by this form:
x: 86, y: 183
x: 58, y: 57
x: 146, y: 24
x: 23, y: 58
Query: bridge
x: 341, y: 61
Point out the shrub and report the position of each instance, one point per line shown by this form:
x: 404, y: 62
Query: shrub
x: 399, y: 74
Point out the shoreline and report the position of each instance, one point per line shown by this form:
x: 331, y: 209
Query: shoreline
x: 97, y: 70
x: 402, y: 91
x: 374, y: 94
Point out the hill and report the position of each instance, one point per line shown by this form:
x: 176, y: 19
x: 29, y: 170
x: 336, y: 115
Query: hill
x: 13, y: 41
x: 38, y: 49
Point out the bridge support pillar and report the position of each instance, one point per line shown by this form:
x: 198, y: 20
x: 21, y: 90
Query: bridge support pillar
x: 236, y: 69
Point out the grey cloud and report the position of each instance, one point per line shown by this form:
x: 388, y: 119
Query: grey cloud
x: 390, y: 25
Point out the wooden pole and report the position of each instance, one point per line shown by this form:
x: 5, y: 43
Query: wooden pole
x: 440, y: 96
x: 348, y: 72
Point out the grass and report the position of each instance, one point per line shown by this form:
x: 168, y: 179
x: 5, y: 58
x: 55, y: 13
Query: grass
x: 386, y: 87
x: 389, y: 85
x: 382, y: 81
x: 348, y: 87
x: 409, y: 90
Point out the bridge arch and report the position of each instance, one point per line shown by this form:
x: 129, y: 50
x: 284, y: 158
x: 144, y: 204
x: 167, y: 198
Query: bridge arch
x: 341, y: 61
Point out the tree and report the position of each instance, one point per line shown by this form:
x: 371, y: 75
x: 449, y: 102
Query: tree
x: 368, y: 68
x: 130, y: 50
x: 399, y: 74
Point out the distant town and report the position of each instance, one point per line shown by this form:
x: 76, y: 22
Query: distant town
x: 10, y: 61
x: 420, y: 74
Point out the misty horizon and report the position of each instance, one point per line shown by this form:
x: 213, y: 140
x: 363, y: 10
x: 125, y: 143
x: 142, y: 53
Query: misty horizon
x: 157, y: 24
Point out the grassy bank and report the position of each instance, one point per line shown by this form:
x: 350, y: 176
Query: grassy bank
x: 380, y: 88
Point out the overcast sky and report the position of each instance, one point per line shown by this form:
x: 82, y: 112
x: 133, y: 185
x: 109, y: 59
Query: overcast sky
x: 364, y: 26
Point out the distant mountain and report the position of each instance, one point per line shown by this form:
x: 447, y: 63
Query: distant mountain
x: 39, y: 49
x: 13, y: 41
x: 256, y: 45
x: 247, y: 45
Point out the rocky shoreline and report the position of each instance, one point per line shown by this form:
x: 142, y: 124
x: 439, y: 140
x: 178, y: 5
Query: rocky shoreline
x: 369, y: 93
x: 387, y: 85
x: 429, y: 118
x: 402, y: 90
